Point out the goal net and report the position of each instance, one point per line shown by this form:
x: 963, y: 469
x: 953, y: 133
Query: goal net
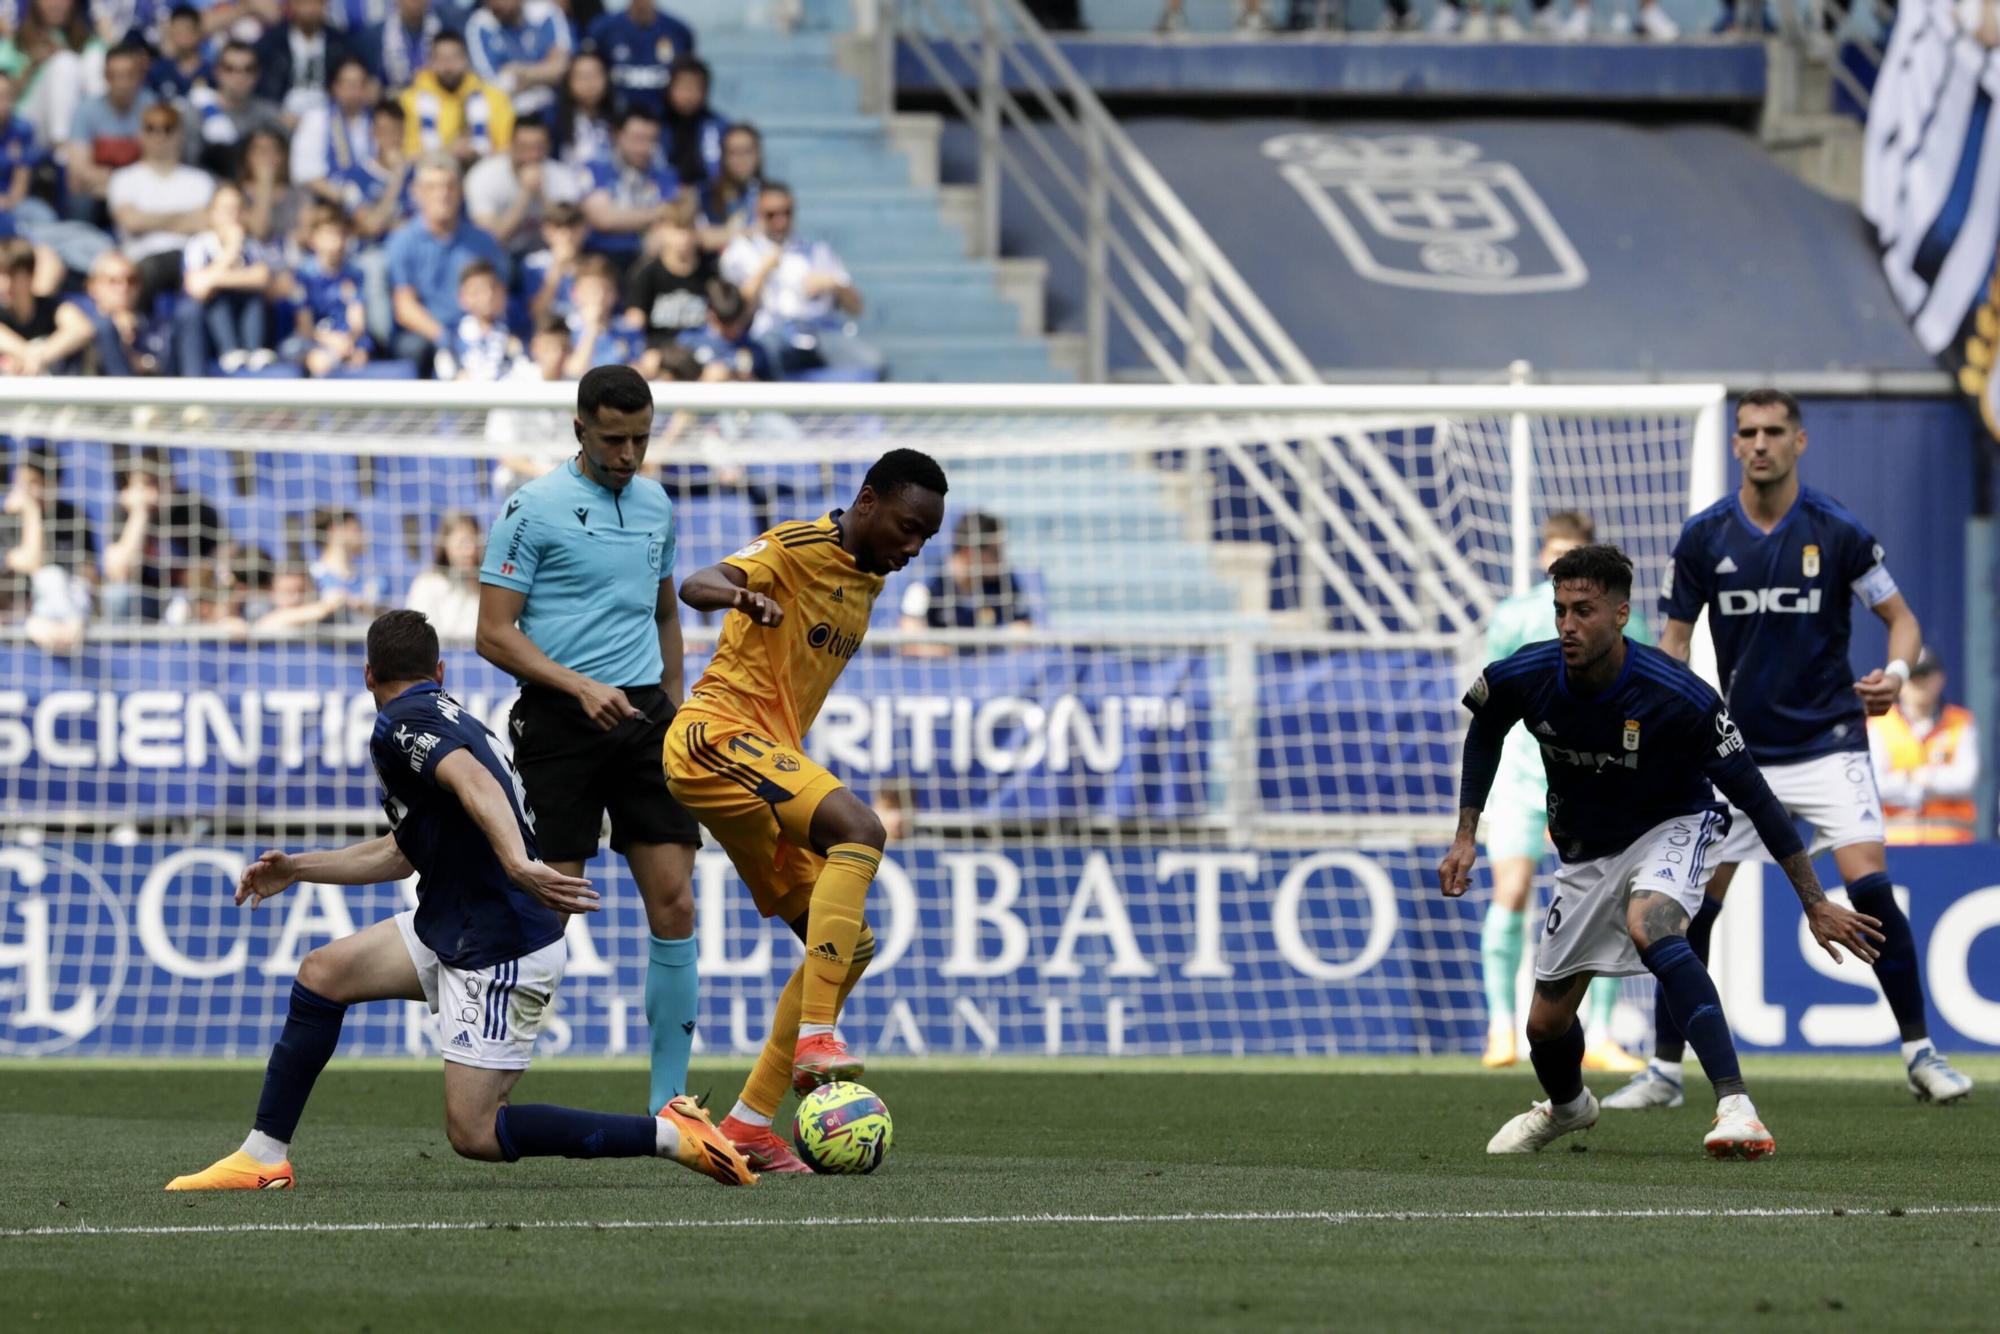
x: 1170, y: 745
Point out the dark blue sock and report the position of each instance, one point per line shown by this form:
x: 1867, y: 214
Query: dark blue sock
x: 312, y: 1031
x: 1690, y: 994
x: 1896, y: 966
x: 537, y: 1130
x: 1559, y: 1064
x: 1668, y: 1043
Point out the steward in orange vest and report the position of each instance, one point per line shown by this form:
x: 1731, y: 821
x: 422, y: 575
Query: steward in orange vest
x: 1926, y: 763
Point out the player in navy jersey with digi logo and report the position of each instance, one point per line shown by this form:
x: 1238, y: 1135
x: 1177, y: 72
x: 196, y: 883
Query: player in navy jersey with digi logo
x: 484, y: 945
x: 1631, y: 741
x: 1776, y: 565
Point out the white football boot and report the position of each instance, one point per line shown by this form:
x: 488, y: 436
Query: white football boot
x: 1738, y: 1133
x: 1932, y: 1080
x: 1651, y: 1087
x: 1539, y: 1127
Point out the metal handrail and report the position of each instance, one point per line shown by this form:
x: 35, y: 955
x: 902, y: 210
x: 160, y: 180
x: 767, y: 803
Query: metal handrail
x: 1136, y: 240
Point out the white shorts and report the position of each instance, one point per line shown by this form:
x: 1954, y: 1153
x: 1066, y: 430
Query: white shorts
x: 487, y: 1017
x: 1585, y: 930
x: 1835, y: 794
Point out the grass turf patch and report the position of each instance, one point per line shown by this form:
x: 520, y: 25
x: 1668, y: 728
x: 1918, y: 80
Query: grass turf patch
x: 1119, y: 1145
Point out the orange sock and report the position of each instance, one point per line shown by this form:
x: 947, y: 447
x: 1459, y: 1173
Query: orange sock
x: 833, y: 925
x: 771, y: 1079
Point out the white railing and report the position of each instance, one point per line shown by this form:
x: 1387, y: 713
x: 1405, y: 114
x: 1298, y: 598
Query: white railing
x: 1148, y: 264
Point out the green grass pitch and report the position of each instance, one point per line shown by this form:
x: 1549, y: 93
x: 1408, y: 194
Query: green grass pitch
x: 1102, y: 1196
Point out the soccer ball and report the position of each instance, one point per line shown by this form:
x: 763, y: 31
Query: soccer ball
x: 842, y: 1128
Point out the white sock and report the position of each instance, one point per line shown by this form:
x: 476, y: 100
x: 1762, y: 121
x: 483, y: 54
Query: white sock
x: 748, y: 1115
x: 815, y: 1030
x: 1573, y: 1108
x: 266, y: 1150
x: 1914, y: 1049
x: 1499, y: 1025
x: 666, y: 1138
x: 1671, y: 1069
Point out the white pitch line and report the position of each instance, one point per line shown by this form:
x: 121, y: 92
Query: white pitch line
x: 1334, y: 1216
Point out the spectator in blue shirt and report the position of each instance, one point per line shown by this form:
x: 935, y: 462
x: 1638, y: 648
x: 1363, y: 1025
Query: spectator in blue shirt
x: 631, y: 192
x: 694, y: 133
x: 641, y: 46
x: 105, y: 331
x: 183, y: 62
x: 726, y: 340
x: 339, y: 574
x: 20, y: 151
x: 75, y: 245
x: 400, y: 45
x: 332, y: 330
x: 104, y: 134
x: 426, y: 257
x: 227, y: 274
x: 729, y: 197
x: 586, y: 113
x: 600, y: 335
x: 547, y: 284
x: 522, y: 48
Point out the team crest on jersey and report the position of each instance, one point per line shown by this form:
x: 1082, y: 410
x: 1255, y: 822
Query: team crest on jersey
x: 1477, y: 695
x: 1631, y: 734
x: 751, y: 550
x: 786, y: 763
x: 1811, y: 561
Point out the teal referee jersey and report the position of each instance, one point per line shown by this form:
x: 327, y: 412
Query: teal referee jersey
x: 591, y: 561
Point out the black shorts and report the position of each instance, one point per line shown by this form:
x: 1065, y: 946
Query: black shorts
x: 574, y: 771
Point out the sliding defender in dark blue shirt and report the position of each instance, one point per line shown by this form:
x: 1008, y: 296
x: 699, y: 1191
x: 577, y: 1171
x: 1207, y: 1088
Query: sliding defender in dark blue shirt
x: 1777, y: 567
x: 484, y: 945
x: 1631, y: 741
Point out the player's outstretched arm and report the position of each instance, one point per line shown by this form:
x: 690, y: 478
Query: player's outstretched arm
x: 1730, y: 769
x: 1483, y: 742
x: 1455, y: 871
x: 375, y: 862
x: 1831, y: 924
x: 726, y: 588
x: 460, y: 774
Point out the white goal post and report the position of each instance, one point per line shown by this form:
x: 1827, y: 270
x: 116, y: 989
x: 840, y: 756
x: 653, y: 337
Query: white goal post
x: 1172, y: 784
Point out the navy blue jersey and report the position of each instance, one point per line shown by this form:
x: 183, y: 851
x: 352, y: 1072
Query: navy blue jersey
x: 468, y: 911
x: 1624, y: 761
x: 1780, y: 610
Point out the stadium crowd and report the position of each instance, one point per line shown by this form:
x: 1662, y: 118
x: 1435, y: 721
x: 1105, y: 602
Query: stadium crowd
x: 286, y: 188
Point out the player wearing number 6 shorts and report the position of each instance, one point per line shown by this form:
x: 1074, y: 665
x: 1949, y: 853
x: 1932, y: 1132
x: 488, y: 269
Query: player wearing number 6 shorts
x: 796, y: 602
x: 1777, y: 566
x: 1631, y: 741
x: 1515, y: 830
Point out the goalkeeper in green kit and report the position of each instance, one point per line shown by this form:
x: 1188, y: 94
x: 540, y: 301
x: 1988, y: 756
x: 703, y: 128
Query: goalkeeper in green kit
x: 1515, y: 831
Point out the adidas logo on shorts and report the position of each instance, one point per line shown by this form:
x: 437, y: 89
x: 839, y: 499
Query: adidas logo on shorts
x: 1663, y: 874
x: 464, y: 1039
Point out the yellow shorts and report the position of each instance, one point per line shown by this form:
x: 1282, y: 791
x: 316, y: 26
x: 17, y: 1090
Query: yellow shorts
x: 757, y: 796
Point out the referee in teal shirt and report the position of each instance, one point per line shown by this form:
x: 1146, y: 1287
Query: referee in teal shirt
x: 576, y: 600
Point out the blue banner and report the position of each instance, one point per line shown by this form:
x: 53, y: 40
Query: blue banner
x: 1053, y: 947
x: 165, y: 731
